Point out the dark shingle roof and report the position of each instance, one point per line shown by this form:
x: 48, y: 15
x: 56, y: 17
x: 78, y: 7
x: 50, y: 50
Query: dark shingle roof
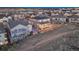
x: 41, y: 17
x: 14, y: 23
x: 59, y: 16
x: 73, y: 16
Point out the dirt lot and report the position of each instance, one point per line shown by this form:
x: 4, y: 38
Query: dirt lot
x: 55, y: 40
x: 69, y: 42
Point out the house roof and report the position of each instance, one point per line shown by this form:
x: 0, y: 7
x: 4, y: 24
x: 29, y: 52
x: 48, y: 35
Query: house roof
x: 59, y: 16
x: 14, y: 23
x: 41, y: 17
x: 73, y: 16
x: 62, y: 16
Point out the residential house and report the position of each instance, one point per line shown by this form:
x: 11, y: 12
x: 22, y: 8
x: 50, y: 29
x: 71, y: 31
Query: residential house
x: 19, y: 29
x: 3, y: 35
x: 42, y: 23
x: 58, y: 19
x: 42, y: 18
x: 73, y: 19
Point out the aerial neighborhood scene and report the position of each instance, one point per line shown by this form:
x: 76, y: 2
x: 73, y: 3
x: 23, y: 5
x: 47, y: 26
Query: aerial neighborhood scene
x: 39, y: 29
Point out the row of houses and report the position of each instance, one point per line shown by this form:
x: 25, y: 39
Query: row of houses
x: 65, y: 19
x: 13, y: 30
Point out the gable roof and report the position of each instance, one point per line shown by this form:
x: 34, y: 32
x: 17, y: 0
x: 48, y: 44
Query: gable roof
x: 41, y: 17
x: 73, y: 16
x: 59, y: 16
x: 13, y: 23
x: 19, y: 26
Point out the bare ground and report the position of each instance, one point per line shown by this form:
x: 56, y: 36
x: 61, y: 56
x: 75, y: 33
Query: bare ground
x: 49, y: 41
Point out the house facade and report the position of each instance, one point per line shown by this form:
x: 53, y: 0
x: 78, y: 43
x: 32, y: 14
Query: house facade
x: 58, y: 19
x: 19, y: 30
x: 3, y: 37
x: 43, y: 23
x: 73, y: 19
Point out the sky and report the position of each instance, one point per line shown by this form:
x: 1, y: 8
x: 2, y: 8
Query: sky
x: 39, y: 3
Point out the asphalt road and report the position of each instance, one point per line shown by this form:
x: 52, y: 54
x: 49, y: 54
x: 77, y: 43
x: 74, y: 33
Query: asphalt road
x: 41, y: 39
